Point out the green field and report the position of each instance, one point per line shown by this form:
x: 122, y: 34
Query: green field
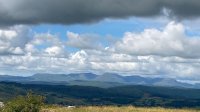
x: 115, y: 109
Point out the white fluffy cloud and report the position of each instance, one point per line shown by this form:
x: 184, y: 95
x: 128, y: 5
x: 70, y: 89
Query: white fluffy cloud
x: 45, y: 39
x: 54, y: 51
x: 84, y: 41
x: 12, y: 40
x: 171, y: 41
x: 167, y: 52
x: 46, y: 44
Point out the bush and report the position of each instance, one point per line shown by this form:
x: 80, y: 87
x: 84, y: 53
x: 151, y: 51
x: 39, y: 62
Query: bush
x: 28, y: 103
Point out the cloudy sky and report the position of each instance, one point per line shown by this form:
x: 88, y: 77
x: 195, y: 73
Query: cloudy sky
x: 131, y: 37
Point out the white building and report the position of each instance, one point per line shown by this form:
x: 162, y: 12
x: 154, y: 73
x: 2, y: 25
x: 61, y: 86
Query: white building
x: 71, y: 107
x: 1, y: 104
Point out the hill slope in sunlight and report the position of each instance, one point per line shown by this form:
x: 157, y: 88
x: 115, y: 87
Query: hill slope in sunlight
x: 116, y: 109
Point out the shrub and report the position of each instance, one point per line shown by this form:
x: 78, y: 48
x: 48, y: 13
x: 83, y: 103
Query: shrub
x: 28, y: 103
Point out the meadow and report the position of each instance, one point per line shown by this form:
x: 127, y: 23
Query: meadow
x: 116, y: 109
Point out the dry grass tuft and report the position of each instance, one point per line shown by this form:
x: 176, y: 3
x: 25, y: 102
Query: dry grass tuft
x: 115, y: 109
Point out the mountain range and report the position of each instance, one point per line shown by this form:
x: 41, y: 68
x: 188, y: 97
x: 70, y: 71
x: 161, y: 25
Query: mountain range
x: 90, y: 79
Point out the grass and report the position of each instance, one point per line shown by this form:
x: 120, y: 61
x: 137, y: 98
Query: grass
x: 115, y: 109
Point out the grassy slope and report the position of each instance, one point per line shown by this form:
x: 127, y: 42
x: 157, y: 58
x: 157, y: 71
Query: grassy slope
x: 116, y: 109
x: 126, y: 95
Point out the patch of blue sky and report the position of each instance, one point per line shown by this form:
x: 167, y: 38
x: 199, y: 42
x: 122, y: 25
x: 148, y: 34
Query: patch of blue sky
x: 192, y: 27
x: 193, y: 33
x: 114, y: 27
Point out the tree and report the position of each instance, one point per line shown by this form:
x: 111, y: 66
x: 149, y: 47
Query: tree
x: 28, y: 103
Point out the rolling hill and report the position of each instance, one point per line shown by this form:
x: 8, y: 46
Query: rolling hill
x: 90, y: 79
x: 123, y: 95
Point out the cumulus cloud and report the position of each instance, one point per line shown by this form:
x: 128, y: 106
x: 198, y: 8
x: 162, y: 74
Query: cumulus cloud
x: 55, y: 51
x: 45, y: 38
x: 34, y: 64
x: 81, y: 61
x: 18, y: 40
x: 13, y: 40
x: 171, y: 41
x: 79, y: 11
x: 46, y: 44
x: 166, y: 52
x: 83, y: 41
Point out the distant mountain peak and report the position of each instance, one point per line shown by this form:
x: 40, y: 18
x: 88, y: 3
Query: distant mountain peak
x: 90, y: 78
x: 48, y: 74
x: 111, y: 74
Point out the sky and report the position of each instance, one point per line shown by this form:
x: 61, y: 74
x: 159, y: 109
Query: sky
x: 153, y: 38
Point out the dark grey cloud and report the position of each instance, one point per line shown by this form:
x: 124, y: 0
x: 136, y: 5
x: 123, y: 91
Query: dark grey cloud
x: 86, y: 11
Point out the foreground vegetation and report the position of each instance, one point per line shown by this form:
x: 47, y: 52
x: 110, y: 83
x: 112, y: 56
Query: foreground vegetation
x: 35, y: 103
x: 28, y: 103
x: 145, y: 96
x: 115, y: 109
